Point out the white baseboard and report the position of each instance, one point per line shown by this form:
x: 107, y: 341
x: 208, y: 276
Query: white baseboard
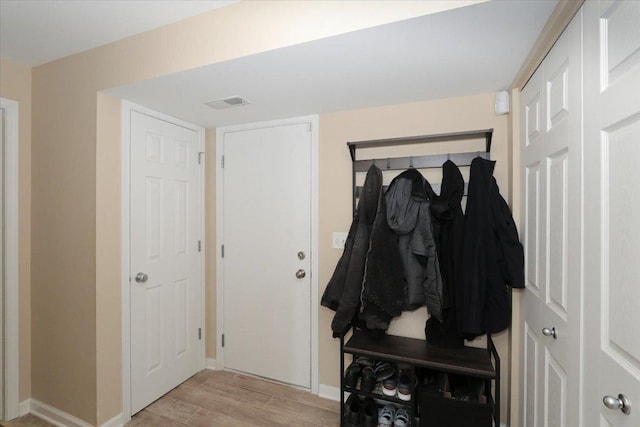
x: 211, y: 364
x: 25, y: 407
x: 113, y: 422
x: 60, y: 418
x: 329, y: 392
x: 55, y: 416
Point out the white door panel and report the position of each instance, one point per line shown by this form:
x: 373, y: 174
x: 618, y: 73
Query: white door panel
x: 165, y: 228
x: 267, y: 222
x: 612, y: 113
x: 551, y: 167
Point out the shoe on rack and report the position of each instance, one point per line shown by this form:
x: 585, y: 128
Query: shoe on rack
x: 390, y: 386
x: 368, y: 382
x: 384, y: 370
x: 369, y: 413
x: 401, y: 419
x: 365, y: 361
x: 404, y: 385
x: 386, y: 415
x: 352, y: 374
x: 352, y: 411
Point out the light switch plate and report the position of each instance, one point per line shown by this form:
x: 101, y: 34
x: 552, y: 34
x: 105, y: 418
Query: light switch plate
x: 338, y: 239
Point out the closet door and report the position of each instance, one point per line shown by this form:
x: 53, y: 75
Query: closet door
x: 551, y: 166
x: 612, y: 212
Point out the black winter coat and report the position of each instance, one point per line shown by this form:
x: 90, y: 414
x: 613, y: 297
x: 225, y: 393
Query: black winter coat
x: 342, y: 293
x: 448, y: 231
x: 493, y: 257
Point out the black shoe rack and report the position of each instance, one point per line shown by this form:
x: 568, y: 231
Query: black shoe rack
x: 430, y: 409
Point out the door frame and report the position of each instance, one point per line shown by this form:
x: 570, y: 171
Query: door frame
x: 9, y: 311
x: 313, y: 120
x: 127, y: 109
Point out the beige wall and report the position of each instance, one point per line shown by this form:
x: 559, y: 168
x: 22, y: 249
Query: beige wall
x: 439, y: 116
x: 75, y: 169
x: 15, y: 84
x: 64, y: 241
x: 108, y: 261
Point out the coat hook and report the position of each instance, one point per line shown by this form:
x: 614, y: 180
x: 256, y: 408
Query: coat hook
x: 373, y: 162
x: 410, y: 161
x: 388, y: 163
x: 448, y: 156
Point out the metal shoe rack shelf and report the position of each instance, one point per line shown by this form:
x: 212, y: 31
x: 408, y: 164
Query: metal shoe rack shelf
x: 414, y: 353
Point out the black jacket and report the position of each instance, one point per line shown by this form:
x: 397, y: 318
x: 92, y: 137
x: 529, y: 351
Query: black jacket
x: 448, y: 231
x: 493, y: 257
x: 342, y: 293
x: 408, y: 199
x: 402, y: 270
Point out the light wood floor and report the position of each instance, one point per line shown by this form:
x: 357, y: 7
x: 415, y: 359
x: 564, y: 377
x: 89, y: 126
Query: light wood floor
x: 218, y: 398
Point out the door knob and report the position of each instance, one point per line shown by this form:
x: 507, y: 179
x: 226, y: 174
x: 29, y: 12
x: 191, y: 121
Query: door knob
x: 550, y: 332
x: 621, y: 402
x: 141, y: 277
x: 300, y: 274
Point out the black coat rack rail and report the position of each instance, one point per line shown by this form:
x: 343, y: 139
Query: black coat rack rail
x: 419, y: 162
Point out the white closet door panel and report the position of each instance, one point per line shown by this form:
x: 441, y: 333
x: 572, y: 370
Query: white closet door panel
x: 551, y: 167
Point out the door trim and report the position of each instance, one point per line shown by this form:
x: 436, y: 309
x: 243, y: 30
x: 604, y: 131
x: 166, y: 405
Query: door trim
x: 127, y: 109
x: 313, y: 120
x: 10, y: 405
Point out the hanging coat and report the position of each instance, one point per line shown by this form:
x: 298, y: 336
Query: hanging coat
x: 493, y: 257
x: 408, y: 199
x: 448, y: 231
x: 342, y: 293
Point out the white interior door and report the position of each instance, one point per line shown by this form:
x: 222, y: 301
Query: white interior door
x: 612, y: 210
x: 551, y: 108
x: 165, y: 276
x: 267, y: 252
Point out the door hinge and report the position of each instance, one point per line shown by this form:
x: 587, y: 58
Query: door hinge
x: 309, y: 127
x: 222, y: 162
x: 199, y: 333
x: 199, y: 246
x: 200, y: 153
x: 222, y: 340
x: 222, y: 251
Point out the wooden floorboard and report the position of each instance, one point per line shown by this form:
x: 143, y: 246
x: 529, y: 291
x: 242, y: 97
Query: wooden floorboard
x: 219, y: 398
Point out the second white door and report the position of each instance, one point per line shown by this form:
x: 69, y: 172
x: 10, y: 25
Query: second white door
x: 267, y: 252
x: 166, y: 283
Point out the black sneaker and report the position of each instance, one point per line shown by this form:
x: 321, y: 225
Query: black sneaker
x: 404, y: 385
x: 368, y: 382
x: 351, y: 375
x: 352, y: 411
x: 384, y: 370
x: 369, y: 414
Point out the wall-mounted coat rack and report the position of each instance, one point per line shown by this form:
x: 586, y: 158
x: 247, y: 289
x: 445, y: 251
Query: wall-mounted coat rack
x: 419, y: 162
x: 387, y: 348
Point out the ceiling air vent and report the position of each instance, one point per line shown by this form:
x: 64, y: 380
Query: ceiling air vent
x: 224, y: 103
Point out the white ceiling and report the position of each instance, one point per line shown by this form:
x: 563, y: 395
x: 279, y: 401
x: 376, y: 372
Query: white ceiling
x: 34, y: 32
x: 469, y: 50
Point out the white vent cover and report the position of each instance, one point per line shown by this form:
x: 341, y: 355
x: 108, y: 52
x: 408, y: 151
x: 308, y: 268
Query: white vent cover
x: 224, y: 103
